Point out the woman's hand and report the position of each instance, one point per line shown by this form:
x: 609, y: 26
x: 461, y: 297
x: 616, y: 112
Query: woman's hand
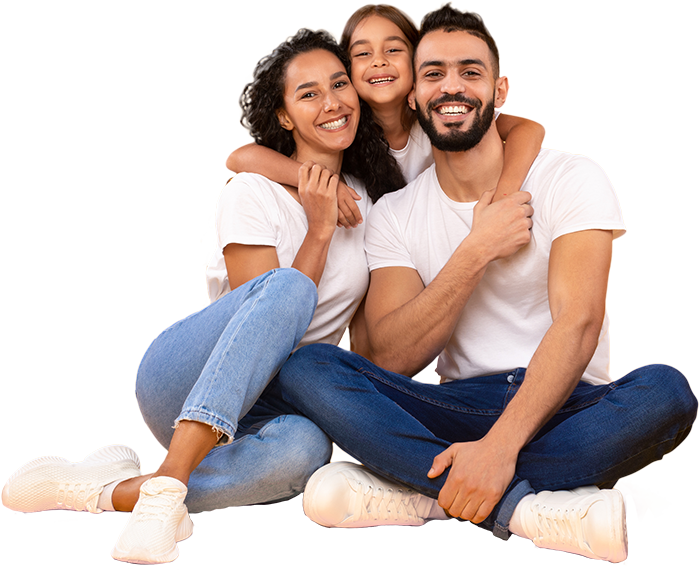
x: 318, y: 188
x: 349, y: 215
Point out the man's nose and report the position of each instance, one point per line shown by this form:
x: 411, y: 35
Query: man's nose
x: 452, y: 83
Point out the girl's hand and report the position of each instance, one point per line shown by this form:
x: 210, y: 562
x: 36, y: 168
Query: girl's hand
x: 318, y: 188
x: 349, y: 215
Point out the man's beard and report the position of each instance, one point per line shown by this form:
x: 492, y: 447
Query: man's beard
x: 457, y: 141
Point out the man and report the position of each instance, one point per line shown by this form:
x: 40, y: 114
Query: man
x: 526, y: 434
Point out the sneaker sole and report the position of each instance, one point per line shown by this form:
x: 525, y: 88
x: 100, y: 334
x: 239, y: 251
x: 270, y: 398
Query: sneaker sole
x: 620, y: 533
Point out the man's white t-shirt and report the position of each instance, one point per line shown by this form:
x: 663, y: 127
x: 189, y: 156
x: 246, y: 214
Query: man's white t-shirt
x: 417, y: 155
x: 508, y: 313
x: 253, y: 210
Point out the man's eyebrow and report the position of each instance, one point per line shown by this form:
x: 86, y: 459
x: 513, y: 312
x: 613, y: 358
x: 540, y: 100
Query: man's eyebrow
x: 333, y: 77
x: 387, y: 39
x: 439, y: 63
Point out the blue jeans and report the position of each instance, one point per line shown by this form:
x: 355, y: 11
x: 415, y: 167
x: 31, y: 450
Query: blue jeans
x: 219, y: 367
x: 396, y: 426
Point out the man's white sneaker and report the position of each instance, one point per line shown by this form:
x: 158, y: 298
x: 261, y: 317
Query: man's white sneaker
x: 586, y: 521
x: 159, y: 520
x: 347, y: 495
x: 50, y: 483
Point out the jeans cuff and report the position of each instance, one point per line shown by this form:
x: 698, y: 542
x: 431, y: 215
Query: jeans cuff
x: 223, y: 430
x: 508, y: 504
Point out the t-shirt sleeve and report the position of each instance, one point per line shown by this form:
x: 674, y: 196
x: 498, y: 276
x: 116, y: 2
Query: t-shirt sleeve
x: 385, y: 242
x: 245, y: 214
x: 583, y: 199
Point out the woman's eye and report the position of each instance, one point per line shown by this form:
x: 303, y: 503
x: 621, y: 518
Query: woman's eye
x: 339, y: 84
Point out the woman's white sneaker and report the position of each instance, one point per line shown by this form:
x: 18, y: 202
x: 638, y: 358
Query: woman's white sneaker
x: 586, y: 521
x: 51, y: 483
x: 159, y: 520
x: 347, y: 495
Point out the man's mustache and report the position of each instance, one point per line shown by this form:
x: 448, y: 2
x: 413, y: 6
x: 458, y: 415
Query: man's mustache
x: 456, y: 98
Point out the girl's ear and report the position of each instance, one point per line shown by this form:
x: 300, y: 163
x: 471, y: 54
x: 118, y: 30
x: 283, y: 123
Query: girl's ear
x: 412, y: 99
x: 284, y: 120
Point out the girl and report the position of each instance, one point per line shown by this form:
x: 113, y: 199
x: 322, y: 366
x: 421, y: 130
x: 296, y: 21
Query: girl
x: 284, y: 275
x: 379, y: 39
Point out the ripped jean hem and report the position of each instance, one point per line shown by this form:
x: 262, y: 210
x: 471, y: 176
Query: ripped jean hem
x: 224, y: 431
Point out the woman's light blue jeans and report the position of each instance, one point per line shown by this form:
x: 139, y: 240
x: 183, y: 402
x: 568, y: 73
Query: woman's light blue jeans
x: 396, y: 426
x: 219, y: 367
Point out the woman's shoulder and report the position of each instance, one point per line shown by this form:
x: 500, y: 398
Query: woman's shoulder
x: 249, y: 186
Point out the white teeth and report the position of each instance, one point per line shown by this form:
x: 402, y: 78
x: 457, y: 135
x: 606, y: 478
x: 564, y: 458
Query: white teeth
x: 453, y: 110
x: 381, y: 80
x: 334, y: 124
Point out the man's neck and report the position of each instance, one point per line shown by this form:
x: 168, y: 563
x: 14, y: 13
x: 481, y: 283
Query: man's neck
x: 465, y: 176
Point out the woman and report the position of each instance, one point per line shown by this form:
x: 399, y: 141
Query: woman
x: 284, y: 275
x: 379, y: 40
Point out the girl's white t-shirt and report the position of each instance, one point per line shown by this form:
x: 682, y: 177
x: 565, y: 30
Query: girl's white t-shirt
x: 253, y: 210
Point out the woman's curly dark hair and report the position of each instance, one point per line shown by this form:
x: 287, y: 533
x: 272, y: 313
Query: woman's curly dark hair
x: 367, y: 158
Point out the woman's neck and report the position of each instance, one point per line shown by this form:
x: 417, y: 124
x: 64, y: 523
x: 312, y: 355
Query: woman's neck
x: 332, y: 161
x: 390, y: 119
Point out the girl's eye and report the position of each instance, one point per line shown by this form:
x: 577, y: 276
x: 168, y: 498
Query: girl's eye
x: 361, y: 54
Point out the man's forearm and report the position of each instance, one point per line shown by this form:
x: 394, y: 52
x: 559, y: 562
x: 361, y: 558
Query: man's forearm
x: 553, y: 373
x: 410, y: 337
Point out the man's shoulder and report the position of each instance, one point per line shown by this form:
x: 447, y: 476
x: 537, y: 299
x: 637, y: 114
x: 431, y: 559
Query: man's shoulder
x: 557, y: 162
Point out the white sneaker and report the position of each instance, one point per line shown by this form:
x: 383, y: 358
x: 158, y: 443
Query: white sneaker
x: 159, y: 520
x: 50, y: 483
x: 347, y: 495
x: 586, y: 521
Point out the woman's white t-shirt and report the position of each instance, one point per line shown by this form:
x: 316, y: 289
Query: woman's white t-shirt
x: 253, y: 210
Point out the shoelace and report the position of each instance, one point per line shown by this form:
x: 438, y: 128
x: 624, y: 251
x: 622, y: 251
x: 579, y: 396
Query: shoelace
x: 79, y: 497
x: 559, y: 526
x: 158, y: 504
x: 379, y: 503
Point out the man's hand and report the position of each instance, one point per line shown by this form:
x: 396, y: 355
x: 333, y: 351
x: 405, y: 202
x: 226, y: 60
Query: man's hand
x: 480, y: 473
x: 349, y: 215
x: 502, y: 227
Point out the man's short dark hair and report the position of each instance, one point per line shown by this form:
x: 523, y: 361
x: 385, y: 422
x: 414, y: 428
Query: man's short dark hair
x: 447, y: 19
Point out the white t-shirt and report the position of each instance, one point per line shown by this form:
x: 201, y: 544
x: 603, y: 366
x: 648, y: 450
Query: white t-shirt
x: 253, y: 210
x: 508, y: 313
x: 417, y: 155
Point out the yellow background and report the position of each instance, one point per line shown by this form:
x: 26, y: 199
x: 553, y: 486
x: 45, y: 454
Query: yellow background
x: 117, y: 119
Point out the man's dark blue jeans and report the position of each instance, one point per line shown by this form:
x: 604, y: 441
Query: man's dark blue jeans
x: 396, y: 426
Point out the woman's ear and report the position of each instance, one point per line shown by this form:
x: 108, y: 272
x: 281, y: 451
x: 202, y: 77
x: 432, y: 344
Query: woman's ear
x: 284, y: 120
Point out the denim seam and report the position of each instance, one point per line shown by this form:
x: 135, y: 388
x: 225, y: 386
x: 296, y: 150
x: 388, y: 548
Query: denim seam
x: 437, y: 403
x: 214, y: 374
